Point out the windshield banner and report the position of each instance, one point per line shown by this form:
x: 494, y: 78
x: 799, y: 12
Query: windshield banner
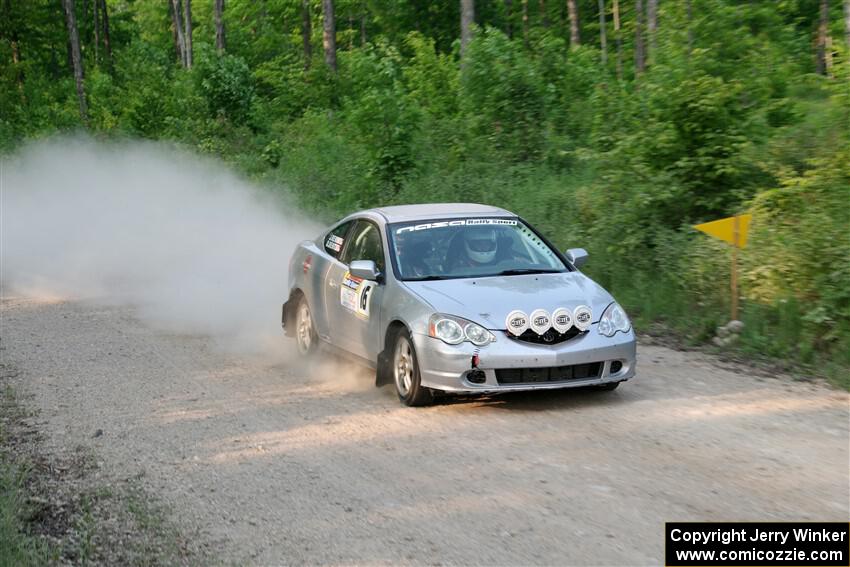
x: 458, y: 222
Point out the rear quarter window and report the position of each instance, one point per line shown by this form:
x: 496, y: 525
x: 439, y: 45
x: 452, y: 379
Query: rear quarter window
x: 334, y: 240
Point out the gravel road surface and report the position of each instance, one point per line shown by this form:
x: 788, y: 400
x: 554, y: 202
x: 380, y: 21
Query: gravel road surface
x: 279, y: 465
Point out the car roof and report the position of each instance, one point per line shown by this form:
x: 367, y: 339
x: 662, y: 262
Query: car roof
x: 401, y: 213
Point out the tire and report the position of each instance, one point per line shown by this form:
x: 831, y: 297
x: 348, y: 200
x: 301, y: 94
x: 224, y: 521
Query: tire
x: 607, y: 387
x: 405, y: 372
x: 384, y: 370
x: 306, y: 339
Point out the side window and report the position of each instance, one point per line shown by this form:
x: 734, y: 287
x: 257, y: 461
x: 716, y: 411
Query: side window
x: 335, y: 239
x: 364, y: 243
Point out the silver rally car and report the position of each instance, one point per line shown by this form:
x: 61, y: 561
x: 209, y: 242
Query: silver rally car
x: 458, y: 298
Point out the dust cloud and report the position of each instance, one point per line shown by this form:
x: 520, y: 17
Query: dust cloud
x: 193, y: 247
x: 334, y: 374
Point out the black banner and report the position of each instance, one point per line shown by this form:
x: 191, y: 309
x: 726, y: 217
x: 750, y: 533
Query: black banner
x: 757, y: 544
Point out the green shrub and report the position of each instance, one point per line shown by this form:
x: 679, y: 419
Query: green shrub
x: 226, y: 84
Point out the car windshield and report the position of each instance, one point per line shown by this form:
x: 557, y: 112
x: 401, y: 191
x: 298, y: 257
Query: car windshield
x: 470, y: 247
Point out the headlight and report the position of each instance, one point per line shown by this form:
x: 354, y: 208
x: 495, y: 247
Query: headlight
x: 448, y: 331
x: 454, y: 330
x: 614, y: 319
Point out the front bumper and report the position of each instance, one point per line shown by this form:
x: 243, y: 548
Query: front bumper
x: 447, y: 367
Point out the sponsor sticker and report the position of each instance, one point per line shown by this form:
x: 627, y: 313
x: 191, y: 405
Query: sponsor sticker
x: 516, y: 323
x: 562, y: 320
x: 458, y: 222
x: 355, y: 294
x: 334, y: 243
x: 350, y: 281
x: 582, y: 317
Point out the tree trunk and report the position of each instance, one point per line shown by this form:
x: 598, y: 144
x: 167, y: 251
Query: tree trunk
x: 82, y: 28
x: 652, y: 26
x: 177, y: 30
x: 823, y: 24
x: 603, y: 38
x: 509, y: 18
x: 690, y: 17
x: 329, y: 33
x: 847, y: 24
x: 618, y: 39
x: 107, y: 44
x: 306, y: 33
x: 174, y: 28
x: 544, y: 16
x: 219, y: 26
x: 104, y: 18
x: 467, y: 20
x: 16, y: 62
x: 181, y: 19
x: 14, y: 43
x: 640, y: 50
x: 96, y: 28
x: 362, y: 29
x: 575, y: 36
x: 187, y: 32
x: 525, y: 22
x: 84, y: 8
x: 76, y: 58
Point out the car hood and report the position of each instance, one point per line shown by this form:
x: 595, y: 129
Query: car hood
x: 487, y: 301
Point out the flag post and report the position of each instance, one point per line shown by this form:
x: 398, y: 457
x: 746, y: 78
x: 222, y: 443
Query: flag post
x: 733, y: 231
x: 734, y: 278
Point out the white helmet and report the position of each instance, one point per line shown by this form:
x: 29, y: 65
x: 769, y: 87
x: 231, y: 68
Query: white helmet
x: 481, y: 245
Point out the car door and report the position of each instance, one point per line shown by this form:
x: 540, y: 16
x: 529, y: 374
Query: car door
x: 330, y: 313
x: 358, y: 325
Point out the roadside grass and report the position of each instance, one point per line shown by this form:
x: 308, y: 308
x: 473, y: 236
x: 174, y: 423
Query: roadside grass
x: 774, y: 337
x: 55, y: 510
x: 20, y: 546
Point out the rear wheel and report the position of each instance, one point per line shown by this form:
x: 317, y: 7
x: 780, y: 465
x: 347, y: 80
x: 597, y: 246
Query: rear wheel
x: 405, y: 369
x: 305, y: 334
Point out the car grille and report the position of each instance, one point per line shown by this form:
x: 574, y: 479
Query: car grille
x: 550, y: 337
x: 548, y: 373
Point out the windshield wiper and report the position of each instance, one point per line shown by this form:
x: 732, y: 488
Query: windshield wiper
x: 524, y: 271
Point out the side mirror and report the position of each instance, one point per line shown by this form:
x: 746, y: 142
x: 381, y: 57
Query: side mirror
x: 364, y: 269
x: 576, y: 256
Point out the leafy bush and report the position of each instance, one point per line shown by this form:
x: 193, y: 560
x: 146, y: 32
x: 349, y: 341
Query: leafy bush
x: 377, y: 110
x: 503, y: 94
x: 226, y: 84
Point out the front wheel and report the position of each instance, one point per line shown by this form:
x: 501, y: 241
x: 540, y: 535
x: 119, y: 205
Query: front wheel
x: 406, y: 373
x: 305, y: 334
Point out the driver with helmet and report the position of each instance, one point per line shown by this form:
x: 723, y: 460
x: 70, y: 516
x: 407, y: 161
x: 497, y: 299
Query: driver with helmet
x: 478, y: 247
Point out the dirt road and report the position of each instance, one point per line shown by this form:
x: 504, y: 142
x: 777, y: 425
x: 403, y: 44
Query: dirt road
x: 276, y: 466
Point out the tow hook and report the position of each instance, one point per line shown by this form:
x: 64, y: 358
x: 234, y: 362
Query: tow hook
x: 476, y: 375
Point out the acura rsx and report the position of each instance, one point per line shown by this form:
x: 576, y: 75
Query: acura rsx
x: 456, y: 298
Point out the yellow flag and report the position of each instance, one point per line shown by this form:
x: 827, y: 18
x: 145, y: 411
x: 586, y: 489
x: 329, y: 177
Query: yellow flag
x: 724, y: 229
